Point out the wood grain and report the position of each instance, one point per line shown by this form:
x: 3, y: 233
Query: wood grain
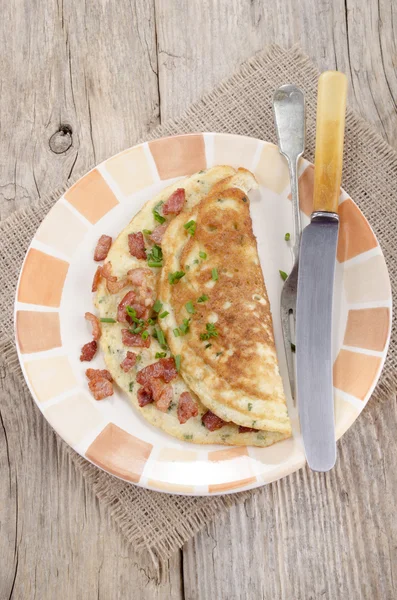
x: 81, y: 81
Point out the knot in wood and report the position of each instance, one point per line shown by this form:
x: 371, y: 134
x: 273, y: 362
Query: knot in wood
x: 61, y: 140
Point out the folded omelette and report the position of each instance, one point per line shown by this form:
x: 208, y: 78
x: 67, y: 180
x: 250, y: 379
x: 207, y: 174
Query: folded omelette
x: 219, y: 318
x: 137, y: 335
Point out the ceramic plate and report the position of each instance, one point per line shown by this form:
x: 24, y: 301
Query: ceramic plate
x: 54, y: 293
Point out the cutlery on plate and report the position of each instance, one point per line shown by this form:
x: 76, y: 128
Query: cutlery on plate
x: 289, y: 117
x: 316, y: 279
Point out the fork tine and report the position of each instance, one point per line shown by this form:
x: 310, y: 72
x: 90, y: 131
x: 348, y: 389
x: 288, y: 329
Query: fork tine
x: 286, y: 326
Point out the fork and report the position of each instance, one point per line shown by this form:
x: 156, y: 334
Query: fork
x: 289, y: 117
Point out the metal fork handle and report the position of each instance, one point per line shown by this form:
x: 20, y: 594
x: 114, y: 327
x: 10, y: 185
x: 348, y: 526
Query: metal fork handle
x: 293, y: 173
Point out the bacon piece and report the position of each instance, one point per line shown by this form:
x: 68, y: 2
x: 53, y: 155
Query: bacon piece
x: 97, y: 279
x: 128, y: 299
x: 157, y: 234
x: 211, y: 421
x: 102, y: 247
x: 144, y: 282
x: 165, y: 398
x: 100, y: 388
x: 88, y: 351
x: 98, y: 374
x: 116, y: 286
x: 140, y: 276
x: 134, y: 339
x: 96, y: 325
x: 144, y: 396
x: 164, y: 368
x: 187, y: 407
x: 175, y: 202
x: 243, y: 429
x: 136, y: 244
x: 107, y: 272
x: 128, y: 362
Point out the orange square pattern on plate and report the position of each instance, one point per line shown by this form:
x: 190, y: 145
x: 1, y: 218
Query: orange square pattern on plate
x: 119, y: 452
x: 92, y: 196
x: 42, y: 279
x: 178, y: 156
x: 37, y: 331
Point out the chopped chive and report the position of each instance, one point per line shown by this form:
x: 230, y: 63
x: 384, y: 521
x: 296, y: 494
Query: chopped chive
x: 175, y: 277
x: 131, y: 312
x: 178, y: 362
x: 139, y: 357
x: 293, y: 347
x: 202, y: 298
x: 249, y: 405
x: 190, y: 308
x: 156, y: 265
x: 283, y: 275
x: 160, y: 337
x: 287, y: 237
x: 214, y: 274
x: 208, y: 346
x: 155, y: 257
x: 151, y: 321
x: 145, y: 334
x: 157, y: 217
x: 147, y: 231
x: 177, y: 332
x: 105, y: 320
x: 190, y: 227
x: 160, y: 354
x: 137, y: 329
x: 157, y: 306
x: 203, y: 255
x: 218, y: 354
x: 211, y: 332
x: 164, y: 314
x: 184, y: 328
x: 196, y: 261
x: 188, y: 436
x: 131, y: 386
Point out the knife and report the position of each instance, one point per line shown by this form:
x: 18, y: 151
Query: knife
x: 316, y: 279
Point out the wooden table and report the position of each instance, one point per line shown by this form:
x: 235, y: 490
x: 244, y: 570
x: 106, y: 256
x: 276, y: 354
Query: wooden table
x: 81, y: 81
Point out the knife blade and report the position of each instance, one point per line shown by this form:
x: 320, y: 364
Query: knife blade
x: 316, y: 279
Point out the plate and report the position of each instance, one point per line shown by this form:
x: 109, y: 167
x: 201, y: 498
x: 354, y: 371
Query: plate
x: 54, y: 292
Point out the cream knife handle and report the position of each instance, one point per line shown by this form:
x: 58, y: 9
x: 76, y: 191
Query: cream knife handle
x: 331, y: 110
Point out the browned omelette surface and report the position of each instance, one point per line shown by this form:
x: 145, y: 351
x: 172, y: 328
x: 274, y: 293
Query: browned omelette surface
x: 228, y: 355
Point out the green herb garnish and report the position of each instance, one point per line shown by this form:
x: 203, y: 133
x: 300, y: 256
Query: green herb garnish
x: 131, y: 386
x: 178, y: 362
x: 152, y: 321
x: 160, y: 354
x: 208, y: 346
x: 164, y: 314
x: 190, y: 227
x: 202, y: 298
x: 214, y: 274
x: 105, y: 320
x: 203, y: 255
x: 283, y: 275
x: 184, y: 328
x: 249, y: 405
x: 175, y: 277
x: 160, y: 337
x: 287, y: 237
x: 218, y: 354
x: 188, y: 436
x: 196, y: 261
x: 145, y: 334
x: 211, y: 332
x: 190, y: 308
x: 177, y: 332
x: 155, y: 257
x: 157, y: 306
x: 147, y: 231
x: 157, y: 217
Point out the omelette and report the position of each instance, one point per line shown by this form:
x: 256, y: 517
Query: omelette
x: 219, y: 319
x: 132, y: 317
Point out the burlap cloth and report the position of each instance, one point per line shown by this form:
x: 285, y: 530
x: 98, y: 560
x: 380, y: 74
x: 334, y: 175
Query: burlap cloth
x: 159, y: 523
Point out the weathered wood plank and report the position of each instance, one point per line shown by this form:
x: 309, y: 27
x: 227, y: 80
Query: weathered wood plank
x: 88, y: 68
x: 56, y: 541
